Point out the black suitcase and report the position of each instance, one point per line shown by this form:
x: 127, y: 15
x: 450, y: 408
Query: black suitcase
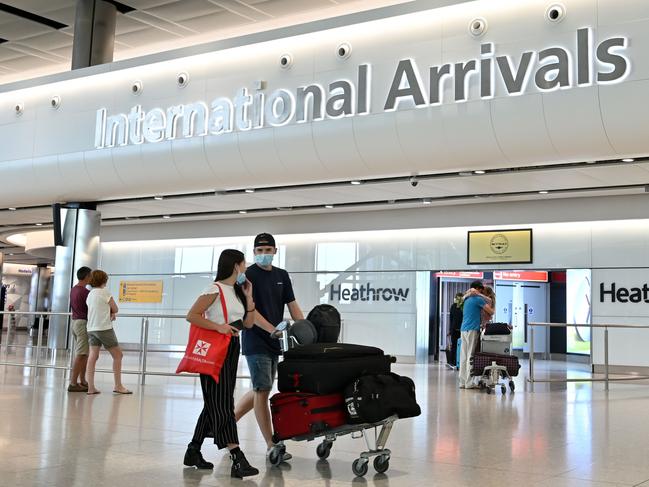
x: 326, y: 368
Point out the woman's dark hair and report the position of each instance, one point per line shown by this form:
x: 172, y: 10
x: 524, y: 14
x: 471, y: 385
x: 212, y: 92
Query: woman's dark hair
x: 227, y: 260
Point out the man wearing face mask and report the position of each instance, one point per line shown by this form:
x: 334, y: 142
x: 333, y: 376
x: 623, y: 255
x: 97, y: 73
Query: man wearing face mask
x: 272, y: 290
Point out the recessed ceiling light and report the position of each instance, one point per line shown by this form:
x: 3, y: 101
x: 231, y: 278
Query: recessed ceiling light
x: 249, y: 190
x: 166, y: 217
x: 11, y: 209
x: 329, y: 207
x: 39, y: 224
x: 543, y: 192
x: 427, y: 201
x: 11, y: 254
x: 479, y: 171
x: 356, y: 183
x: 628, y: 159
x: 158, y: 198
x: 243, y: 212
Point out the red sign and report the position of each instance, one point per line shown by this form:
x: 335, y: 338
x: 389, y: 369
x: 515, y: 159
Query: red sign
x: 461, y: 275
x: 533, y: 276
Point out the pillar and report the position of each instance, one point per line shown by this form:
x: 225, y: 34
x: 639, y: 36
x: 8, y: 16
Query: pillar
x: 94, y: 33
x: 80, y: 226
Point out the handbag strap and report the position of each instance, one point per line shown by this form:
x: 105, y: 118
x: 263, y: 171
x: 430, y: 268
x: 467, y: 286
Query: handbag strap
x: 223, y: 305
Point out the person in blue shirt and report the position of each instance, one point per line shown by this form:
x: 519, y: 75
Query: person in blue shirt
x: 474, y: 304
x: 272, y: 292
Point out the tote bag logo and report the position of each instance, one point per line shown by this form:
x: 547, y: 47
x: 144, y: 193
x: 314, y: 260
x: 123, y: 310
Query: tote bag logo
x: 201, y: 348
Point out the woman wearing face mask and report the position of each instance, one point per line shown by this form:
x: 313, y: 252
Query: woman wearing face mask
x: 217, y: 418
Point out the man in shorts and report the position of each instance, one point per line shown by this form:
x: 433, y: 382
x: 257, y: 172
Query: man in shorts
x: 78, y: 296
x: 272, y: 290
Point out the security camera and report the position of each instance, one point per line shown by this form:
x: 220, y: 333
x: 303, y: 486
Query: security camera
x: 19, y: 108
x: 478, y: 27
x: 414, y: 182
x: 183, y: 79
x: 285, y: 60
x: 556, y: 13
x: 344, y: 50
x: 136, y: 88
x: 55, y: 102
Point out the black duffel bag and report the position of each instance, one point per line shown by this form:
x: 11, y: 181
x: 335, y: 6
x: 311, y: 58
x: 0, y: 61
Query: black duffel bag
x: 373, y: 398
x: 497, y: 329
x: 326, y: 320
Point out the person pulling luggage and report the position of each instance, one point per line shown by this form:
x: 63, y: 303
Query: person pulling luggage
x: 272, y: 290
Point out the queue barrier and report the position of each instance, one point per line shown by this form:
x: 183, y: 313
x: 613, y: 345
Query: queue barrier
x: 143, y: 346
x: 607, y: 378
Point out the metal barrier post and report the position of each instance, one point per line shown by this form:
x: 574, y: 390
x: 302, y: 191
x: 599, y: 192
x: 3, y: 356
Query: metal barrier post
x: 140, y: 359
x: 531, y: 379
x: 39, y: 342
x: 145, y: 347
x: 606, y: 358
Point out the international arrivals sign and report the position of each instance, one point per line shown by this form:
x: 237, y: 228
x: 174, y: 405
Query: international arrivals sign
x: 553, y: 68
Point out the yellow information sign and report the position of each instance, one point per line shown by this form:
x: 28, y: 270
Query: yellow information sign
x: 500, y: 247
x: 140, y: 291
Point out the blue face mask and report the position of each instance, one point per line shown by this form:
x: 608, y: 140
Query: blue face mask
x: 241, y: 278
x: 264, y: 259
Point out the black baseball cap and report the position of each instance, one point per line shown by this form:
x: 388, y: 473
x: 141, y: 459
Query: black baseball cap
x: 477, y: 285
x: 264, y: 240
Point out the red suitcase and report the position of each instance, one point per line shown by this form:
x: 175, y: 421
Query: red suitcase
x: 297, y: 414
x: 481, y: 360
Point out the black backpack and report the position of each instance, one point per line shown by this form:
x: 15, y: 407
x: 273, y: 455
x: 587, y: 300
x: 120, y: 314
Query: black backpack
x: 326, y: 320
x: 373, y: 398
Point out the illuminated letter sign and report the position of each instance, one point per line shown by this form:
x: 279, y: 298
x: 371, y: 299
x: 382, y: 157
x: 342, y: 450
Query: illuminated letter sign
x: 550, y: 69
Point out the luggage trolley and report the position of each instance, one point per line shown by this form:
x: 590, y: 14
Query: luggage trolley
x: 375, y: 445
x: 375, y: 442
x: 492, y: 374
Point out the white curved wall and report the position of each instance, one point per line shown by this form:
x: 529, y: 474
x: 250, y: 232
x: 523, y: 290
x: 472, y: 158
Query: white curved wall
x: 53, y: 150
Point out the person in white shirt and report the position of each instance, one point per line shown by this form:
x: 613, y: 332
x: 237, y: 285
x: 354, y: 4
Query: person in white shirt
x: 101, y: 314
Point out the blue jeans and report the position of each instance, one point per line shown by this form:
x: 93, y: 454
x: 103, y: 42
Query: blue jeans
x: 263, y: 369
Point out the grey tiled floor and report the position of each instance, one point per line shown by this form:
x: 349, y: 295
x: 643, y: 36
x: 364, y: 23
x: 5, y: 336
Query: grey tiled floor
x: 575, y: 435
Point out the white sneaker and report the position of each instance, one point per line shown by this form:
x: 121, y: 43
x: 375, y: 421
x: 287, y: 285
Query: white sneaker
x: 285, y: 455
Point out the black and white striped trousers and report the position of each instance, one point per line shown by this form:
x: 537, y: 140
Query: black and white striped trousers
x: 217, y: 418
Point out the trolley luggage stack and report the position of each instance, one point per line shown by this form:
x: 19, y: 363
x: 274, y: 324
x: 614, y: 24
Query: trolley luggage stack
x: 494, y: 365
x: 323, y: 394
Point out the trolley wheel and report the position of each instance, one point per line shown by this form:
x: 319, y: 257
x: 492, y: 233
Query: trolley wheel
x: 359, y: 467
x: 323, y: 450
x: 276, y: 456
x: 503, y: 389
x: 512, y: 386
x: 381, y: 463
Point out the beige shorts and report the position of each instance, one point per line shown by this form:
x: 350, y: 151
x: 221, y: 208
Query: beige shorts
x: 81, y: 336
x: 106, y: 338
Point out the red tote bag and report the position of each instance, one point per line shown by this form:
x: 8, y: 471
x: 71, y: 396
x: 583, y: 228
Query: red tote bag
x: 206, y: 349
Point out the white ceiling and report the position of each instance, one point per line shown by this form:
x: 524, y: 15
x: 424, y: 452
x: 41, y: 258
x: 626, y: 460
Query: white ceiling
x: 591, y: 180
x: 156, y: 25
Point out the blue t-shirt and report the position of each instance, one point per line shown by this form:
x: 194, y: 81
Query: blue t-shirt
x: 271, y: 290
x: 471, y: 309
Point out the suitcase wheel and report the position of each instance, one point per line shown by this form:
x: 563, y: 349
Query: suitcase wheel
x: 324, y: 449
x: 359, y: 467
x: 381, y: 463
